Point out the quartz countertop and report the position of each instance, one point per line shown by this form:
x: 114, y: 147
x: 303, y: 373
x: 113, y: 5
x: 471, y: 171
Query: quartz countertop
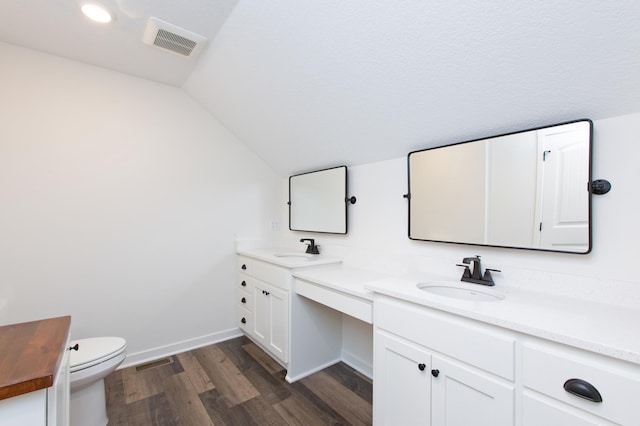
x: 601, y: 328
x: 597, y: 327
x: 289, y: 258
x: 31, y: 354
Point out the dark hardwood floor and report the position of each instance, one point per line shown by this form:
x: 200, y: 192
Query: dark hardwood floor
x: 235, y: 383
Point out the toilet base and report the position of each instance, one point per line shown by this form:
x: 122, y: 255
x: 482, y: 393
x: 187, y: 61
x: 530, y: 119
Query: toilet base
x: 88, y: 406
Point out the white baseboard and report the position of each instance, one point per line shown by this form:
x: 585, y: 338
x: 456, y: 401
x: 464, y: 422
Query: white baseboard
x: 358, y: 364
x: 178, y: 347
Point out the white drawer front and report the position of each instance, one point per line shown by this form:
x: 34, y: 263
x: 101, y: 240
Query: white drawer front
x: 245, y: 300
x: 458, y: 338
x: 245, y: 283
x: 346, y: 303
x: 537, y: 411
x: 245, y: 319
x: 271, y: 274
x: 547, y: 368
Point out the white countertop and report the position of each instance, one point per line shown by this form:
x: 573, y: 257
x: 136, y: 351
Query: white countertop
x: 289, y: 258
x: 597, y: 327
x: 606, y: 329
x: 342, y: 278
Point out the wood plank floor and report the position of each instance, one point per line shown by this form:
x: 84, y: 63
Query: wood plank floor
x: 235, y: 383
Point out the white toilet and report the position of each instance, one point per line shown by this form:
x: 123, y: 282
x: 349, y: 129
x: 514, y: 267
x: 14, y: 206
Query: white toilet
x: 94, y: 359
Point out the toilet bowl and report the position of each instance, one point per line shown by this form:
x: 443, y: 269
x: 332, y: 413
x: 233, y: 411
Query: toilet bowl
x: 94, y: 359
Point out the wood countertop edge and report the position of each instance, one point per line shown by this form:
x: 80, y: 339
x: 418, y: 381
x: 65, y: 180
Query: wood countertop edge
x: 31, y: 355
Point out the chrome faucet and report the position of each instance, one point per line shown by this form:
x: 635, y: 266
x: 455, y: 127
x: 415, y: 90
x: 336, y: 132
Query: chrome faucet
x: 312, y: 248
x: 476, y: 276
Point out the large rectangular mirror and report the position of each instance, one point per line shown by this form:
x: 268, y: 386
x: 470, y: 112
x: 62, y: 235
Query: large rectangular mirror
x: 529, y: 190
x: 317, y: 201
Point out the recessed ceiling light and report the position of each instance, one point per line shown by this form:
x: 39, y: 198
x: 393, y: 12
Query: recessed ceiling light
x: 97, y: 13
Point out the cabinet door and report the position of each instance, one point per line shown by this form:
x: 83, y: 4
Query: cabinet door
x: 261, y: 312
x: 402, y: 375
x: 279, y: 332
x: 271, y: 319
x: 463, y: 396
x: 26, y: 409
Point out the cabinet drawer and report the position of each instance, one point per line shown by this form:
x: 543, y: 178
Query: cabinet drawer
x: 247, y: 316
x: 245, y: 300
x: 458, y: 338
x: 538, y: 410
x: 346, y: 303
x: 271, y: 274
x: 245, y: 283
x: 546, y: 368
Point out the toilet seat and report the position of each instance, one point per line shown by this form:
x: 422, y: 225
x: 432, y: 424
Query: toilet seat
x: 95, y: 350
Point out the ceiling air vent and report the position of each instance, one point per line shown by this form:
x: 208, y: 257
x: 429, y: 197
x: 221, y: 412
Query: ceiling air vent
x: 170, y: 37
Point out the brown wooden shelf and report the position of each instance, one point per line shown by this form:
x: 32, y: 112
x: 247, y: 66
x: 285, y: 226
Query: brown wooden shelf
x: 30, y: 353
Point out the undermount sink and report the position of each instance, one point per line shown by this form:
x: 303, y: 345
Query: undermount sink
x: 461, y: 291
x: 298, y: 256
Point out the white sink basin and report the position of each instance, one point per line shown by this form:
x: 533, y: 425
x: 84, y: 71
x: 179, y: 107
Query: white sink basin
x: 461, y: 291
x: 297, y: 256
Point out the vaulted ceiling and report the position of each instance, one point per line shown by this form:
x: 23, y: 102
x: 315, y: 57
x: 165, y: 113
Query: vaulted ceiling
x: 311, y: 84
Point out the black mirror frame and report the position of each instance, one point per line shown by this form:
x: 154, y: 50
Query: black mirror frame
x: 347, y: 200
x: 589, y: 188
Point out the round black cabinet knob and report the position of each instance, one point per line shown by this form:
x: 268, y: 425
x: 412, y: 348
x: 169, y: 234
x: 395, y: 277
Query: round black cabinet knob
x: 74, y: 347
x: 243, y: 267
x: 421, y: 367
x: 243, y: 320
x: 244, y: 284
x: 244, y: 300
x: 435, y: 373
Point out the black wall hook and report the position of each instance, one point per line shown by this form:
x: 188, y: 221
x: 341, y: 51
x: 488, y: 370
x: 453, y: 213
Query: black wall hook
x: 600, y: 186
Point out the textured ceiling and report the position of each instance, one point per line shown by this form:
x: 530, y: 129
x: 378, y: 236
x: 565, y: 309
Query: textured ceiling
x: 312, y: 84
x: 320, y: 83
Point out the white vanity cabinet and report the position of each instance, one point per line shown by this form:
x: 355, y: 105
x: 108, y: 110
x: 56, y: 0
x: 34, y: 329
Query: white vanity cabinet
x: 435, y: 366
x: 264, y: 292
x: 263, y: 305
x: 435, y: 369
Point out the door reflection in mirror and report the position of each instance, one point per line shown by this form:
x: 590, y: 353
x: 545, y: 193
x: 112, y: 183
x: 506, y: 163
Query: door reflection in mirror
x: 527, y: 189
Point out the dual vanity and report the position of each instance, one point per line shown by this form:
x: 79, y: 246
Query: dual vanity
x: 445, y: 352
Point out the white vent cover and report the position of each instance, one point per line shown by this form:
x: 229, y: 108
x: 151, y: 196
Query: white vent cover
x: 170, y: 37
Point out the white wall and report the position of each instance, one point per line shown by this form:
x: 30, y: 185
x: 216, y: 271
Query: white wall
x: 120, y: 202
x: 377, y: 238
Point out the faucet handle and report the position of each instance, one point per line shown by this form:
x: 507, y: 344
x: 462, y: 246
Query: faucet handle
x: 487, y: 275
x: 467, y: 271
